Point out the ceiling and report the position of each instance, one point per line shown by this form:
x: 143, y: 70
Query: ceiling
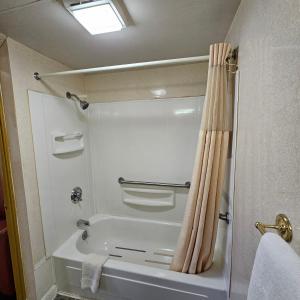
x: 160, y: 29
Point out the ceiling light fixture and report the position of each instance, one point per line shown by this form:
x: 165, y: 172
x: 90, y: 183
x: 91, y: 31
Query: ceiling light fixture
x: 98, y: 16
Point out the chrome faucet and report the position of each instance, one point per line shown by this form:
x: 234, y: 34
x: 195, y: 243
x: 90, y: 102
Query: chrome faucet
x: 81, y: 224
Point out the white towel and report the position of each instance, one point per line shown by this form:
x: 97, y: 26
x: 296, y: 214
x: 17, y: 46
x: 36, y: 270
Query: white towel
x: 276, y: 271
x: 91, y: 271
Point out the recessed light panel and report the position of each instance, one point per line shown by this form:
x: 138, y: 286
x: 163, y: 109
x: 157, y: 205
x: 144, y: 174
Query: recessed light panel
x: 97, y: 16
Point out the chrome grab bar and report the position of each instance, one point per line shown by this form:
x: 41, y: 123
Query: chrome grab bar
x: 186, y: 185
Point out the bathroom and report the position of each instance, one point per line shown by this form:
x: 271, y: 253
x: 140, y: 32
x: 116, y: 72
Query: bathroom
x: 101, y: 158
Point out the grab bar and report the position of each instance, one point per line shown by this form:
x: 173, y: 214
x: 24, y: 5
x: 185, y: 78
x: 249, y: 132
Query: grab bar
x: 186, y: 185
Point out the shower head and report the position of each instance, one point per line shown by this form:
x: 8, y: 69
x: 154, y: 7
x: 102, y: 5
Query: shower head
x: 83, y: 104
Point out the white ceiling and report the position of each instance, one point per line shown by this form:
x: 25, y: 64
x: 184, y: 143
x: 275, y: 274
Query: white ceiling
x: 161, y: 29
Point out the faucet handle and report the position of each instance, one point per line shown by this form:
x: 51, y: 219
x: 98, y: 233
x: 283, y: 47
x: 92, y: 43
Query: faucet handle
x: 76, y: 195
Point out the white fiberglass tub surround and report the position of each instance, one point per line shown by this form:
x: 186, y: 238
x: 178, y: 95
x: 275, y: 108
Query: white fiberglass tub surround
x: 151, y: 140
x: 140, y: 253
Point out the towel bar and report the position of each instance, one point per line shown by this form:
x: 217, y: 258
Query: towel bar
x: 282, y: 225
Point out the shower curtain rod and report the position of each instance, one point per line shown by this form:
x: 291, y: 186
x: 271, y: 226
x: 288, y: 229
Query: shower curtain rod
x: 166, y: 62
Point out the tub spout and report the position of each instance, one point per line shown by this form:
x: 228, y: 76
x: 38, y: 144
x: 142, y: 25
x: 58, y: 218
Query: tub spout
x: 82, y: 223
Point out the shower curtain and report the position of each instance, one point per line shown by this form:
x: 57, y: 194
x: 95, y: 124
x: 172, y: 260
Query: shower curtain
x: 195, y: 248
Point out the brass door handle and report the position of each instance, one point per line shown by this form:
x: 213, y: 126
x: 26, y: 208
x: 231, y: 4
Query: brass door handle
x: 282, y: 225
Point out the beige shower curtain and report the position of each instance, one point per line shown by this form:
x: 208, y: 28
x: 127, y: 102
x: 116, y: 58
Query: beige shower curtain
x: 196, y: 242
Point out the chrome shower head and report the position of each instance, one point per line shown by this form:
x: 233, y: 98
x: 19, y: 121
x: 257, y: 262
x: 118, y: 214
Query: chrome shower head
x: 83, y: 104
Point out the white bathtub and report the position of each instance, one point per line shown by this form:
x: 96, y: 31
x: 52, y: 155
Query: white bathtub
x: 140, y: 253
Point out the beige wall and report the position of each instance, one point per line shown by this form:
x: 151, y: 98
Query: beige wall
x: 23, y: 63
x: 177, y: 81
x: 23, y: 226
x: 268, y: 149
